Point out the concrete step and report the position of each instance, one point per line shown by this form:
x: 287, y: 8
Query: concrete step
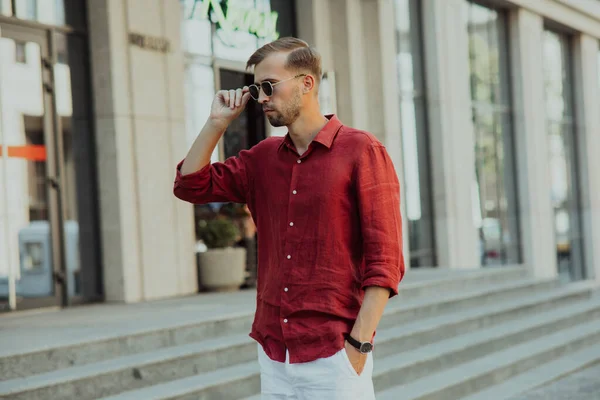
x: 139, y: 370
x: 408, y: 366
x: 163, y: 324
x: 436, y: 283
x: 396, y: 367
x: 113, y: 376
x: 136, y: 371
x: 541, y: 376
x: 411, y: 335
x: 133, y: 340
x: 122, y: 343
x: 400, y: 311
x: 468, y: 378
x: 225, y: 384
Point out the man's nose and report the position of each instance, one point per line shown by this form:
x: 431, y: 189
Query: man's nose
x: 262, y: 97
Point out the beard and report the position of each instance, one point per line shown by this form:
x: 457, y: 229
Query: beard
x: 289, y: 112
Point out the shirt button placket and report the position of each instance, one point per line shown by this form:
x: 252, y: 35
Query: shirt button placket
x: 289, y: 256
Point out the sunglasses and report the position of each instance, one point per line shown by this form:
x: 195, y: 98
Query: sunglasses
x: 267, y: 87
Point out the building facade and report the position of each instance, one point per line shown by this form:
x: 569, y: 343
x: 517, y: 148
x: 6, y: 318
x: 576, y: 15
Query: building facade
x: 487, y: 109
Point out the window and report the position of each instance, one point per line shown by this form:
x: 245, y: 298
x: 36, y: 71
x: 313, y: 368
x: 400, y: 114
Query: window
x: 496, y: 188
x: 415, y: 141
x: 20, y: 52
x: 50, y: 12
x: 31, y: 11
x: 558, y: 80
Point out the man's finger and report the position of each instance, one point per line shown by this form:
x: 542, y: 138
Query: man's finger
x: 225, y: 96
x: 245, y: 98
x: 238, y: 97
x: 231, y: 98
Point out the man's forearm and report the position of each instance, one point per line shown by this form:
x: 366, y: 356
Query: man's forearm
x: 370, y: 313
x: 199, y: 154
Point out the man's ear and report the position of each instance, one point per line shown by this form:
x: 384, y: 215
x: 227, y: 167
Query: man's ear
x: 308, y: 83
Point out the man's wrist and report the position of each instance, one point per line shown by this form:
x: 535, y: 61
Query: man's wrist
x: 361, y: 336
x: 218, y: 124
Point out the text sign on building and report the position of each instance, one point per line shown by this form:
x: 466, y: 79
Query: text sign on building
x: 231, y: 16
x: 159, y: 44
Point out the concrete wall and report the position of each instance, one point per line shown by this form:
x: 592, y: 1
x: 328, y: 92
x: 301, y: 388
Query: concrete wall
x: 147, y: 235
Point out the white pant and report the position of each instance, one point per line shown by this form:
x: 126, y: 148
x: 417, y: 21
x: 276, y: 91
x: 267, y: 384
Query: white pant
x: 331, y: 378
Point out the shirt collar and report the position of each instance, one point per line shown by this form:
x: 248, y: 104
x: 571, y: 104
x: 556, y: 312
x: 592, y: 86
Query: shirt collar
x: 325, y: 135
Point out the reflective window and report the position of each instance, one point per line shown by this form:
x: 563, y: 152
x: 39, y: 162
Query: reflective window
x: 417, y: 182
x: 20, y: 53
x: 558, y: 79
x: 234, y: 30
x: 25, y: 219
x: 495, y: 186
x: 51, y: 12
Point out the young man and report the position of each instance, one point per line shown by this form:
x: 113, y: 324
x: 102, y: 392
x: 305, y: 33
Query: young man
x: 326, y: 201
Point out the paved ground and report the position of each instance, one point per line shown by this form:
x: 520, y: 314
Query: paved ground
x: 583, y: 385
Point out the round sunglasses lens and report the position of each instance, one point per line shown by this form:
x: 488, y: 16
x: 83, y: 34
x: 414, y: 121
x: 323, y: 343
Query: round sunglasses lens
x: 253, y: 91
x: 267, y: 88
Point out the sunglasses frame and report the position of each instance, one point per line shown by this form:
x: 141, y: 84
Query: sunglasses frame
x: 270, y: 86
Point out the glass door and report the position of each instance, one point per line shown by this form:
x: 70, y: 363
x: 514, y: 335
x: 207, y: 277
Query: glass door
x: 30, y: 218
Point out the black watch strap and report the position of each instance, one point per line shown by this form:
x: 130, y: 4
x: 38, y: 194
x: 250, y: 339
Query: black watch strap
x: 352, y: 341
x: 364, y: 348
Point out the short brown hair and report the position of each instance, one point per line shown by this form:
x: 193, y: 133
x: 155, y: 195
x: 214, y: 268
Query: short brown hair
x: 301, y: 56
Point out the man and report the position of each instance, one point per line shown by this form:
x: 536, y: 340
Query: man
x: 326, y: 202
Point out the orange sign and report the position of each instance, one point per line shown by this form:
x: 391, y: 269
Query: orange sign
x: 30, y: 152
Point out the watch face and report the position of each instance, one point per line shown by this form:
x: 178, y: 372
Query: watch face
x: 366, y: 347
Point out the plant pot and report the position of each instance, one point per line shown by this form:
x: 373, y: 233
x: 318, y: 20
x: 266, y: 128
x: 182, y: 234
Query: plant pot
x: 222, y: 270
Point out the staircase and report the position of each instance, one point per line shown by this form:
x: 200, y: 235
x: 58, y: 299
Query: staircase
x: 486, y: 334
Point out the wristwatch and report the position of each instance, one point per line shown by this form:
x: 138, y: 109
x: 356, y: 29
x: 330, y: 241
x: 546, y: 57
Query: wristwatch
x: 363, y: 347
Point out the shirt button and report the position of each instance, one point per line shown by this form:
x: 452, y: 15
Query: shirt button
x: 289, y: 257
x: 285, y: 321
x: 291, y: 224
x: 285, y: 290
x: 299, y: 161
x: 295, y: 192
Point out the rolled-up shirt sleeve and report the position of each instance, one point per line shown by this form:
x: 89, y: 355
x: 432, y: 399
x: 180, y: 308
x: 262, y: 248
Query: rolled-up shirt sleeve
x: 217, y: 182
x: 378, y: 192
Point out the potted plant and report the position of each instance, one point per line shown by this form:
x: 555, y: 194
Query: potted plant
x: 221, y: 267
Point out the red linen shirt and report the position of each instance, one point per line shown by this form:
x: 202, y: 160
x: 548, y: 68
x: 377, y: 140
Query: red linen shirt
x: 328, y: 226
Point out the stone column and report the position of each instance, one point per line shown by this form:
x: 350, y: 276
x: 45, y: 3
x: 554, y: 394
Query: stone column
x: 147, y: 234
x: 531, y: 143
x: 587, y: 104
x: 451, y: 132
